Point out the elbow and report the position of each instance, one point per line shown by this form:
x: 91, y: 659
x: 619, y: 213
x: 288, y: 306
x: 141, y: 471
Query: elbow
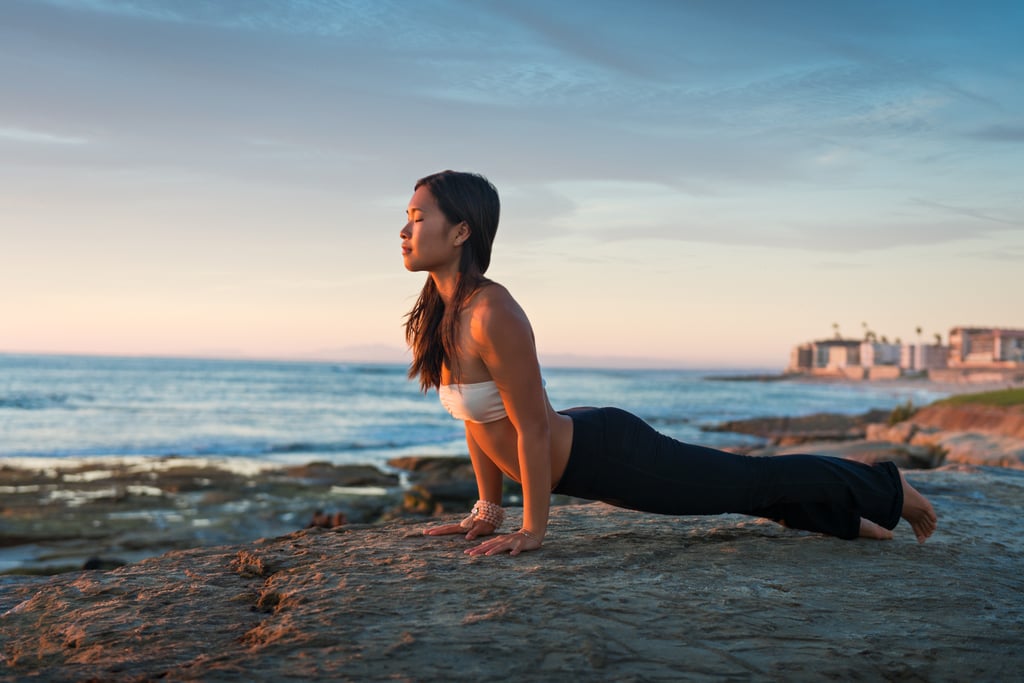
x: 535, y: 433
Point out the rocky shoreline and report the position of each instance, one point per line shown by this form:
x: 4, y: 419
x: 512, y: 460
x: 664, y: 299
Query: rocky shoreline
x: 59, y: 515
x: 65, y: 515
x: 612, y: 595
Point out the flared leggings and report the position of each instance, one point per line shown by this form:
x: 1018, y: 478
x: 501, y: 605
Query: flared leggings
x: 619, y: 459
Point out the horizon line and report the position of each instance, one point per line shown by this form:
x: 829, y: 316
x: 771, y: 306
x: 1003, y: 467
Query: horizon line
x: 555, y: 360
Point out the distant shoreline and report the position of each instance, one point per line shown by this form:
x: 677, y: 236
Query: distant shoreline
x: 750, y: 378
x: 922, y: 382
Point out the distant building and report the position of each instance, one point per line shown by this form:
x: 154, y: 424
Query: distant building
x: 869, y: 359
x: 827, y: 353
x: 801, y: 358
x: 874, y: 353
x: 985, y: 347
x: 827, y: 357
x: 923, y: 357
x: 973, y: 354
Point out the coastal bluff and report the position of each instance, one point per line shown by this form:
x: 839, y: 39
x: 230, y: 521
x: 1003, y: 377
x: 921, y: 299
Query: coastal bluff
x: 967, y: 434
x: 612, y: 595
x: 935, y: 435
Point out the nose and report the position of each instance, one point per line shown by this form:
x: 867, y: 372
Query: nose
x: 405, y: 233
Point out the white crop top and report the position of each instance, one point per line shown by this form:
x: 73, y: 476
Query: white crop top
x: 477, y: 402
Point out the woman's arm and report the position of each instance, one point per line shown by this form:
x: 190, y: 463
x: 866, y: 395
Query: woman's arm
x: 488, y: 477
x: 504, y: 340
x: 488, y: 484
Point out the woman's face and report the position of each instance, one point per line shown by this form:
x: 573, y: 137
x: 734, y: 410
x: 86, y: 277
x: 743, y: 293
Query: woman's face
x: 429, y: 242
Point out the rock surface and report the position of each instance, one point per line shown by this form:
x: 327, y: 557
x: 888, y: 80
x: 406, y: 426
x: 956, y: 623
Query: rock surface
x: 969, y: 434
x: 931, y: 437
x: 57, y: 514
x: 973, y: 418
x: 863, y: 450
x: 789, y: 431
x: 613, y: 595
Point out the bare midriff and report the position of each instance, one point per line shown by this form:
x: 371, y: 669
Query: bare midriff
x: 499, y: 441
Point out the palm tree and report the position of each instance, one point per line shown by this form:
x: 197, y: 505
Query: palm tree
x: 835, y: 328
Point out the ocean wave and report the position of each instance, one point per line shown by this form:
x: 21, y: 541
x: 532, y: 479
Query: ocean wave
x: 28, y: 400
x: 661, y: 420
x: 299, y: 447
x: 224, y: 449
x: 396, y: 370
x: 346, y: 447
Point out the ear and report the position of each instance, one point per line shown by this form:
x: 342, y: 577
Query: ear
x: 462, y: 232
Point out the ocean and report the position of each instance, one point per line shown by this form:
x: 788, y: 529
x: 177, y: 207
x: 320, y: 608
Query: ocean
x: 298, y: 412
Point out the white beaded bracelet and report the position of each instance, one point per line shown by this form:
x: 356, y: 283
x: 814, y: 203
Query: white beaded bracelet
x: 484, y: 511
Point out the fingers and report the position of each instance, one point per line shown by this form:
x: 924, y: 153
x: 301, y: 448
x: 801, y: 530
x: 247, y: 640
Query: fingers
x: 480, y: 528
x: 488, y: 548
x: 495, y: 547
x: 513, y: 544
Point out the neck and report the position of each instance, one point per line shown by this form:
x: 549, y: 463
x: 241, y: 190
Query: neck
x: 446, y: 284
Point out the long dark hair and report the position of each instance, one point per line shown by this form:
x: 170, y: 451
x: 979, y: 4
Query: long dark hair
x: 431, y: 328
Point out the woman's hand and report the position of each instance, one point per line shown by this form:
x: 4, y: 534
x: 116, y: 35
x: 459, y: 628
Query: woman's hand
x: 479, y: 528
x: 513, y: 544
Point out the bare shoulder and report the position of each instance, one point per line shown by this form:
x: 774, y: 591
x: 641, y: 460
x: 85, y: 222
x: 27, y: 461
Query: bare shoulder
x: 503, y: 340
x: 496, y: 312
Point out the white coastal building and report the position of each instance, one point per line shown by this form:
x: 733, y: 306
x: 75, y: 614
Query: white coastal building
x: 973, y: 354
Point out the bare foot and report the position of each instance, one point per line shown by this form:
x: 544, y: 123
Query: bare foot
x: 869, y: 529
x: 918, y: 511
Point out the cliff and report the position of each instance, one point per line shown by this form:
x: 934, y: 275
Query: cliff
x: 1003, y: 421
x: 938, y: 434
x: 613, y: 595
x: 964, y: 434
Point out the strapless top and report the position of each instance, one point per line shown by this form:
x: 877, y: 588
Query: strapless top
x: 477, y: 402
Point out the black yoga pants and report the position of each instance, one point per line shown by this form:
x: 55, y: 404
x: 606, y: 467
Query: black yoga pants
x: 619, y: 459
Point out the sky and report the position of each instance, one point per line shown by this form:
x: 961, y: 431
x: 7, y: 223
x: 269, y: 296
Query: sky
x: 691, y: 184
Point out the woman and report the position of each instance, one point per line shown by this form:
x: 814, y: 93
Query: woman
x: 473, y: 343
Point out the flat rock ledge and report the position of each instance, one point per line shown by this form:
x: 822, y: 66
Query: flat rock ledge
x: 613, y: 595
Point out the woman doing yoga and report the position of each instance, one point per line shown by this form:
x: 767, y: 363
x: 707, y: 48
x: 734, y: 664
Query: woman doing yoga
x: 473, y: 343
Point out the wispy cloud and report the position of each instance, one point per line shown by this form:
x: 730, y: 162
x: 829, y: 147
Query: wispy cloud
x: 827, y: 236
x: 999, y: 133
x: 125, y: 8
x: 969, y: 212
x: 311, y: 17
x: 38, y: 137
x: 604, y: 211
x: 559, y: 32
x: 1012, y: 255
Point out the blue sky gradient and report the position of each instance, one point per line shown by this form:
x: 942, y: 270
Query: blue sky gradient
x: 682, y: 183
